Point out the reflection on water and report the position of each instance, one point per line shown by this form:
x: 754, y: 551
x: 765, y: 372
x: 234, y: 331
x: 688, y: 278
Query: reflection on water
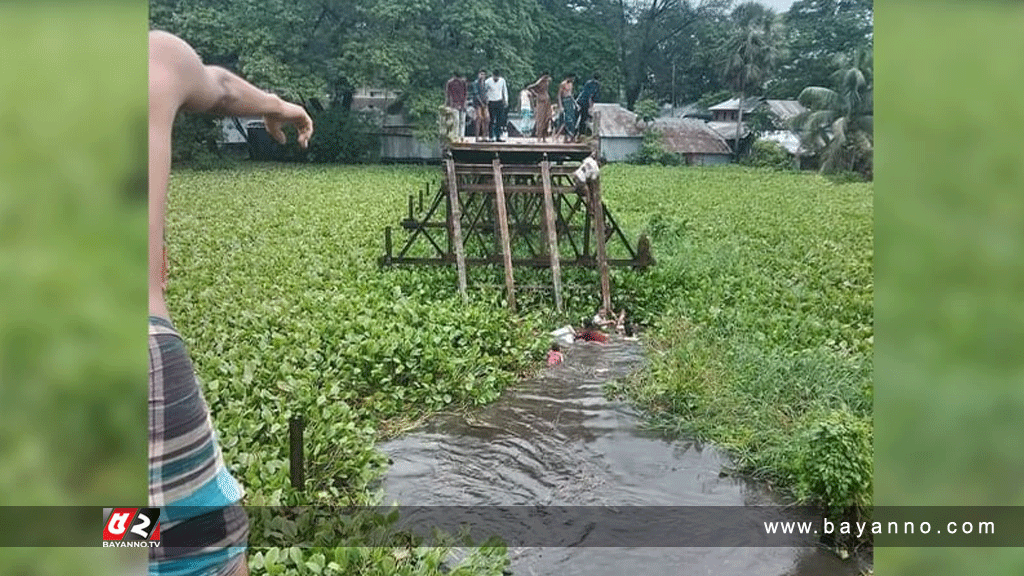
x: 555, y: 440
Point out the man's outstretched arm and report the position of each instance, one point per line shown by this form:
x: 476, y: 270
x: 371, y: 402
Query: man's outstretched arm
x: 213, y: 89
x: 179, y: 79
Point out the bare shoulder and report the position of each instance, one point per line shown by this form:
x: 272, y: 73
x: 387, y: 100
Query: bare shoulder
x: 177, y: 76
x: 166, y: 49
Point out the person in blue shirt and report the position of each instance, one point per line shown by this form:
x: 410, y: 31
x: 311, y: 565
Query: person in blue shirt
x: 586, y: 100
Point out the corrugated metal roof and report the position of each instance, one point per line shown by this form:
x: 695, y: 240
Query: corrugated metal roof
x: 727, y: 129
x: 690, y: 136
x: 682, y: 135
x: 732, y: 104
x: 617, y: 122
x: 785, y: 109
x: 691, y: 110
x: 784, y: 138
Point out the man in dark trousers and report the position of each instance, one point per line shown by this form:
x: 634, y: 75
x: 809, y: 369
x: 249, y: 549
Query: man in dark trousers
x: 478, y: 98
x: 497, y: 104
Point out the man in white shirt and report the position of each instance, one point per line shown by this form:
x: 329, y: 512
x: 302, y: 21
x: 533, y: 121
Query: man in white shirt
x: 497, y: 104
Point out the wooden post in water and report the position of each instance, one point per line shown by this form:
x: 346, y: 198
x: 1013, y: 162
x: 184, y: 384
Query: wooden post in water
x: 298, y: 472
x: 506, y: 245
x: 602, y: 258
x: 456, y: 218
x: 549, y: 224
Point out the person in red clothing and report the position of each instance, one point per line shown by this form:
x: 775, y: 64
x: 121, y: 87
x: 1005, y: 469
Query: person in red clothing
x: 455, y: 98
x: 590, y: 333
x: 555, y: 356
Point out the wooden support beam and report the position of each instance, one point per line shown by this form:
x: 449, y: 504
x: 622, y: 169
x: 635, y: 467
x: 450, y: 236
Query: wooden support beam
x: 513, y: 169
x: 456, y: 218
x: 296, y: 425
x: 506, y: 248
x: 602, y: 258
x: 532, y: 262
x: 515, y: 188
x: 549, y: 224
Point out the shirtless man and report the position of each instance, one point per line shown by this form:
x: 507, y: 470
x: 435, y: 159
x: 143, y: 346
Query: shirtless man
x: 186, y: 469
x: 568, y: 102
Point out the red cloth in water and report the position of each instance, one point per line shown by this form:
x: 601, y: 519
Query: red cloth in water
x: 592, y: 336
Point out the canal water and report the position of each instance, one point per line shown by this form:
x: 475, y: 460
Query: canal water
x: 556, y: 440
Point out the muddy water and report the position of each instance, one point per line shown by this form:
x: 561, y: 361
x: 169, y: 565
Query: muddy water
x: 555, y: 440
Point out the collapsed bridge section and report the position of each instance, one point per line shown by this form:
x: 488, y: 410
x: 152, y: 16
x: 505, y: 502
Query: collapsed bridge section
x: 516, y: 204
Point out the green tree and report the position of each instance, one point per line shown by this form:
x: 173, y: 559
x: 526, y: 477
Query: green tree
x: 582, y: 37
x: 656, y: 30
x: 647, y: 110
x: 839, y: 123
x: 695, y: 59
x: 751, y: 53
x: 817, y: 31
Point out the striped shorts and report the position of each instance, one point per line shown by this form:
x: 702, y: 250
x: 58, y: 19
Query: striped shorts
x: 203, y: 529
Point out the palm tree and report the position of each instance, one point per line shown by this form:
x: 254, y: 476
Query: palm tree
x: 751, y: 53
x: 839, y: 123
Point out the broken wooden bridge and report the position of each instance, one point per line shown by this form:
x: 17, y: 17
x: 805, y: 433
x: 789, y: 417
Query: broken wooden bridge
x: 514, y: 204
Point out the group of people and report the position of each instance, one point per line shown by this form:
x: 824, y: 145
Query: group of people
x: 484, y: 102
x: 594, y: 330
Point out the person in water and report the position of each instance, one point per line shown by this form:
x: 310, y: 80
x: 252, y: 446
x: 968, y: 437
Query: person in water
x: 555, y: 356
x: 590, y: 333
x: 601, y: 319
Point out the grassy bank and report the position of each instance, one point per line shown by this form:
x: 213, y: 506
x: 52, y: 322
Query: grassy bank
x: 762, y: 333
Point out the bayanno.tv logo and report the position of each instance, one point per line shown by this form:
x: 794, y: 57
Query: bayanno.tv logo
x: 131, y: 528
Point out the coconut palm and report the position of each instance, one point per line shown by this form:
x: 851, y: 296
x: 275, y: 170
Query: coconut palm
x: 839, y: 123
x: 751, y: 53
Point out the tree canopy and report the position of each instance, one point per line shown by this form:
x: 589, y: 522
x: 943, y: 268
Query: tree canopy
x: 665, y: 50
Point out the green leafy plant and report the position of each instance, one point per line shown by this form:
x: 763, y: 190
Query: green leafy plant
x: 759, y: 312
x: 652, y: 150
x: 765, y: 154
x: 759, y: 317
x: 836, y: 463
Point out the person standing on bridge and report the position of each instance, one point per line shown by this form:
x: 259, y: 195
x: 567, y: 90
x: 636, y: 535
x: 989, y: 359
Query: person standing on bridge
x: 478, y: 97
x: 526, y: 111
x: 586, y: 99
x: 568, y: 106
x: 497, y: 104
x: 543, y: 105
x: 455, y: 98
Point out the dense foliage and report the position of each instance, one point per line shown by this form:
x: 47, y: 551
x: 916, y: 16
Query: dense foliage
x: 274, y: 286
x: 839, y: 122
x: 670, y: 50
x: 768, y: 154
x: 763, y: 339
x: 760, y: 311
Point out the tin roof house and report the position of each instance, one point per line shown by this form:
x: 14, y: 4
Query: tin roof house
x: 622, y: 132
